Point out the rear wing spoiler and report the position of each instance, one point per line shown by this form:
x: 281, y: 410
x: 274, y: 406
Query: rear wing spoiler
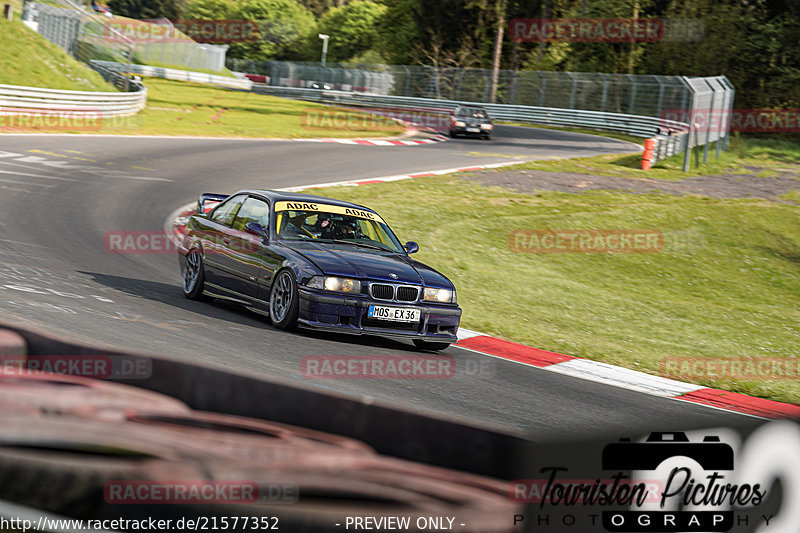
x: 208, y: 201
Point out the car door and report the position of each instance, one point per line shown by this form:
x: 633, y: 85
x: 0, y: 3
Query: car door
x: 216, y: 238
x: 252, y: 259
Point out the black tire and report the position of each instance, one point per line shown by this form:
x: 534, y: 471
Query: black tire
x: 452, y: 134
x: 432, y: 346
x: 486, y: 137
x: 284, y: 301
x: 194, y: 278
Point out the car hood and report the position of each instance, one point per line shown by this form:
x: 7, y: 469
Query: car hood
x: 350, y: 261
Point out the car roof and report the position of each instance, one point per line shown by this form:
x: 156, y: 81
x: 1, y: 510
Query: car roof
x: 283, y: 196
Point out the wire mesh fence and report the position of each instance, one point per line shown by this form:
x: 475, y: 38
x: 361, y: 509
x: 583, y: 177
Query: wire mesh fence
x: 89, y: 36
x: 190, y: 55
x: 702, y: 106
x: 616, y: 93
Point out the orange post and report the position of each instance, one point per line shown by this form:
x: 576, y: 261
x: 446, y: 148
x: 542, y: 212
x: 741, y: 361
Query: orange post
x: 647, y: 156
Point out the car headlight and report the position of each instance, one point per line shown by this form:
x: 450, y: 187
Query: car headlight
x: 487, y: 126
x: 335, y: 284
x: 445, y: 296
x: 460, y: 123
x: 316, y: 282
x: 342, y: 284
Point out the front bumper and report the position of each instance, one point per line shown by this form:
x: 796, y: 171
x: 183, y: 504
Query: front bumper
x: 462, y: 130
x: 348, y: 314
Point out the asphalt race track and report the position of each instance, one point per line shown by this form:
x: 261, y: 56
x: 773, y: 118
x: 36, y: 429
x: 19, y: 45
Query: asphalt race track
x: 60, y: 194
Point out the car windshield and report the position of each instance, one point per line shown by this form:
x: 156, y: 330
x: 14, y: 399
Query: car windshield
x: 341, y: 228
x: 472, y: 112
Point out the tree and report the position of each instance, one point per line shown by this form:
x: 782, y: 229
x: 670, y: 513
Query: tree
x: 209, y: 9
x: 443, y: 33
x: 353, y: 29
x: 146, y: 9
x: 498, y: 47
x: 284, y: 25
x: 739, y: 41
x: 398, y: 28
x: 318, y: 7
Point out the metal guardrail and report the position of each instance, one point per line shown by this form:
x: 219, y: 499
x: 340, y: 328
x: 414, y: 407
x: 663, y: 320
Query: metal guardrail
x: 178, y: 75
x: 671, y: 135
x: 616, y: 102
x: 15, y: 99
x: 120, y: 80
x: 636, y: 125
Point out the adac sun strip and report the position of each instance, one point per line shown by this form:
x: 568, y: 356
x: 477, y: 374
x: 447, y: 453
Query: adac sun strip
x: 327, y: 208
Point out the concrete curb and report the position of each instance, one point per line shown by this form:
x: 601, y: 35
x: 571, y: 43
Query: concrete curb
x: 380, y: 142
x: 623, y: 377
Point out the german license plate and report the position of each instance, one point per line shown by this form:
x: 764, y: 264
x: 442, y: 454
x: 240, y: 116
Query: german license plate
x: 396, y: 314
x: 473, y: 130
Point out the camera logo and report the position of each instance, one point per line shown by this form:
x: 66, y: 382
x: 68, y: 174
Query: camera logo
x: 711, y: 454
x: 705, y: 490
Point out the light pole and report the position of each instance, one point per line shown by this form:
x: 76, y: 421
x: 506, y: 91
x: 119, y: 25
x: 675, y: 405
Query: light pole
x: 324, y: 55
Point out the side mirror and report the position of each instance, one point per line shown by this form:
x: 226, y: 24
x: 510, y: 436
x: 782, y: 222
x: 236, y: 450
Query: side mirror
x: 411, y: 247
x: 254, y: 228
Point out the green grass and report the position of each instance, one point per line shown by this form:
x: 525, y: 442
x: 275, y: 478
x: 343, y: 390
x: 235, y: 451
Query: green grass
x: 792, y: 196
x: 30, y: 60
x: 771, y: 156
x: 181, y: 108
x: 726, y: 283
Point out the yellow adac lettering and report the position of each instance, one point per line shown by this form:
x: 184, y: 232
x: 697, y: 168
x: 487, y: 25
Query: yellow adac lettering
x: 358, y: 213
x: 301, y: 206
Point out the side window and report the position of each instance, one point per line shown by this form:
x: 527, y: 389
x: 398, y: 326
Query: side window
x: 253, y: 210
x: 226, y: 212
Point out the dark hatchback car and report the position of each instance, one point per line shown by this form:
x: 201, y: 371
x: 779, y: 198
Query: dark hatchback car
x: 470, y: 121
x: 315, y: 262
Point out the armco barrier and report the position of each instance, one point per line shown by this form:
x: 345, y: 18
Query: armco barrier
x: 178, y: 75
x: 16, y: 99
x: 672, y: 135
